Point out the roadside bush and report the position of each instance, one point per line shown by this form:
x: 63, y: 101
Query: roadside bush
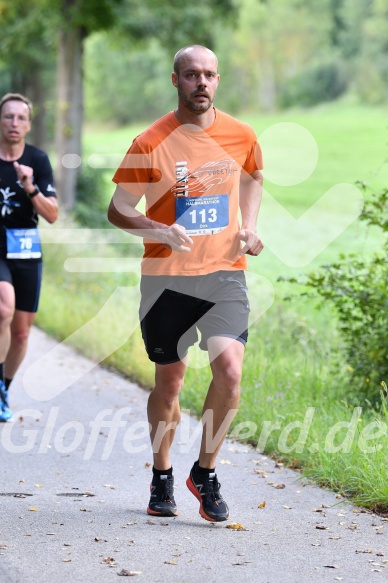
x: 317, y: 83
x: 91, y: 203
x: 357, y: 290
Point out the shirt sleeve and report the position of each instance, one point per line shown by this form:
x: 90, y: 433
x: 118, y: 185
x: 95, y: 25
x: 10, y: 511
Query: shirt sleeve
x: 254, y: 160
x: 136, y: 171
x: 43, y: 175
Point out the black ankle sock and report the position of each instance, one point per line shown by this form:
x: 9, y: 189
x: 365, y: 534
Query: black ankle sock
x: 7, y: 382
x: 2, y: 371
x: 199, y: 470
x: 162, y: 472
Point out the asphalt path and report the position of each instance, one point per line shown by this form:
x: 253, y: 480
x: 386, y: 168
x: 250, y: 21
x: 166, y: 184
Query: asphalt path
x: 75, y: 474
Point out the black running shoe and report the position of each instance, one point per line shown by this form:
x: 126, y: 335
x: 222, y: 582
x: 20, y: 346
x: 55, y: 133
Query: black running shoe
x: 206, y: 488
x: 162, y: 501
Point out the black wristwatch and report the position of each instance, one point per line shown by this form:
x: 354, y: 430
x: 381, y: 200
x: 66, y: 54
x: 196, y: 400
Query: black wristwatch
x: 33, y: 193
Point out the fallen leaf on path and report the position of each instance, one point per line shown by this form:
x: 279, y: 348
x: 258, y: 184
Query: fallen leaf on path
x: 33, y: 509
x: 262, y: 504
x: 288, y: 507
x: 39, y: 485
x: 321, y: 527
x: 109, y: 561
x: 332, y: 566
x: 170, y: 563
x: 126, y: 573
x: 225, y: 462
x: 109, y: 486
x: 364, y: 551
x: 235, y: 526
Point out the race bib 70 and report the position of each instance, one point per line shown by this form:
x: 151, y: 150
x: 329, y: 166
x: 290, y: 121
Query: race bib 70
x: 23, y: 244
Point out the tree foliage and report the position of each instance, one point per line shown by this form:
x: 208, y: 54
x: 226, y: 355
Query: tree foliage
x: 27, y: 58
x: 174, y: 23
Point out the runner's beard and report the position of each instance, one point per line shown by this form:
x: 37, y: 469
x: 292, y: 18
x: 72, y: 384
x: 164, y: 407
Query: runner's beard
x: 191, y: 104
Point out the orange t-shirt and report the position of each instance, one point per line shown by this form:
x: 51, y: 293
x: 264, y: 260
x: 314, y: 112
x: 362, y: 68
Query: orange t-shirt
x: 191, y: 176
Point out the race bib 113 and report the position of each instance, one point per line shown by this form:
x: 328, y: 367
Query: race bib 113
x: 202, y: 215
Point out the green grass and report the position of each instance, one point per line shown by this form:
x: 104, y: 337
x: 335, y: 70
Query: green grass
x: 294, y: 364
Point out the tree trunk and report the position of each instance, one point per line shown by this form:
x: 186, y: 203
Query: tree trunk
x: 29, y: 82
x: 69, y: 116
x: 36, y: 91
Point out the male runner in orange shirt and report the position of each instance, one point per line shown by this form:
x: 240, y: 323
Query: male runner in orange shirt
x: 197, y: 168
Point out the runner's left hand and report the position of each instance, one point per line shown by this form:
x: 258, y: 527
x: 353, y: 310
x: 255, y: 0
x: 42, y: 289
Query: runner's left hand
x: 24, y: 174
x: 253, y: 244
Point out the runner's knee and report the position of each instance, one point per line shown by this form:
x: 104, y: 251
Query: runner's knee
x: 20, y: 335
x: 228, y: 379
x: 7, y: 310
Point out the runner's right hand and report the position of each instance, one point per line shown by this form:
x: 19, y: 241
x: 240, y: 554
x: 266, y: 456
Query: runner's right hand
x: 174, y: 238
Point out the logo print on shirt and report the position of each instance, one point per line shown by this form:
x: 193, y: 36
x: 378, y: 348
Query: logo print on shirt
x: 7, y: 205
x: 203, y: 178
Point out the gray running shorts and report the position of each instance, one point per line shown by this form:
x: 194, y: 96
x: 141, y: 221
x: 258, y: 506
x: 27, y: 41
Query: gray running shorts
x: 173, y: 309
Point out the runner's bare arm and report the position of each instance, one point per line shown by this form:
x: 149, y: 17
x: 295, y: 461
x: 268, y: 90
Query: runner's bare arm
x: 122, y: 213
x: 251, y: 189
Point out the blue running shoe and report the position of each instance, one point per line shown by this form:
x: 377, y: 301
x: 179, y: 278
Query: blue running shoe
x: 5, y: 411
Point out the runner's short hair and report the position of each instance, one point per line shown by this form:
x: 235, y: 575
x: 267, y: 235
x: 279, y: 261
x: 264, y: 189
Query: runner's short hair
x: 180, y: 54
x: 16, y: 97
